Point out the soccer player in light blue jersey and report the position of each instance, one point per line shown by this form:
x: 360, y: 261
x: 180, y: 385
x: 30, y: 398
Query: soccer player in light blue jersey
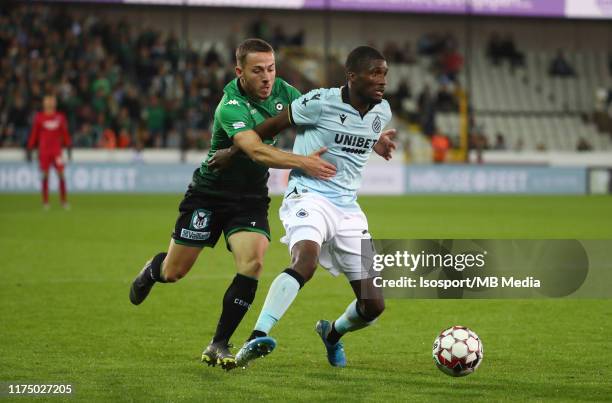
x: 323, y: 222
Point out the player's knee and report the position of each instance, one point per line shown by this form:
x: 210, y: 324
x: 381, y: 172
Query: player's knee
x: 373, y: 308
x: 251, y: 268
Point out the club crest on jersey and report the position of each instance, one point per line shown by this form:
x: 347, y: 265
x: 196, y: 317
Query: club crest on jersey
x: 279, y: 106
x: 200, y: 219
x: 302, y: 213
x: 377, y: 125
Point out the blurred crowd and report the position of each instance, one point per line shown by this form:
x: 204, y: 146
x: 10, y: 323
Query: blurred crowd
x: 440, y: 53
x: 120, y: 87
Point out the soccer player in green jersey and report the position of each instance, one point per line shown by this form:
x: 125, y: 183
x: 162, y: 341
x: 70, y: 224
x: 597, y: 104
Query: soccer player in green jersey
x: 235, y: 200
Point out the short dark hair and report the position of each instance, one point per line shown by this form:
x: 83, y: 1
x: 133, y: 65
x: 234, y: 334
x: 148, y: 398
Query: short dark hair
x: 252, y: 45
x: 359, y: 59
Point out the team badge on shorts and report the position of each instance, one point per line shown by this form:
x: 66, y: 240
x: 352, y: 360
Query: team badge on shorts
x: 302, y: 213
x: 200, y: 219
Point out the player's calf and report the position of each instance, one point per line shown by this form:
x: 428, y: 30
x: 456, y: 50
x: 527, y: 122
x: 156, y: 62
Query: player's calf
x: 371, y: 308
x: 178, y: 262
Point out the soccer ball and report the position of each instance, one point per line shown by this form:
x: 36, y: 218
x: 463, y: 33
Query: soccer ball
x: 457, y: 351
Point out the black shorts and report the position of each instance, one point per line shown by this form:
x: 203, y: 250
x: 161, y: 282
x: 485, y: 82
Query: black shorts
x: 202, y: 218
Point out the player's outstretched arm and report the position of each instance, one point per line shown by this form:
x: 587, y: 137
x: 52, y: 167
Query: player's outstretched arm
x: 269, y: 128
x: 313, y: 165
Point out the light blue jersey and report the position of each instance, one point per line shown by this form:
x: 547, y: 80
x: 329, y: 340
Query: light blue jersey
x: 325, y: 118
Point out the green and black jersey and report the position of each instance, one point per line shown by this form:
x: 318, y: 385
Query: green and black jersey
x: 235, y: 113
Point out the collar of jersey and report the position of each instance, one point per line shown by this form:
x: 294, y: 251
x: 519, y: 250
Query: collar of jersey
x: 347, y: 100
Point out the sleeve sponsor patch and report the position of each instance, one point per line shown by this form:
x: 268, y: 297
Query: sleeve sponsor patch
x: 238, y: 125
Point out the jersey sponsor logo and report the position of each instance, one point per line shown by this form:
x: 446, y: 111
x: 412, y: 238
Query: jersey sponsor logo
x: 238, y: 125
x: 232, y: 102
x: 377, y: 125
x: 194, y: 235
x: 279, y: 106
x: 302, y: 213
x: 51, y: 124
x: 200, y: 219
x: 356, y: 144
x: 342, y: 118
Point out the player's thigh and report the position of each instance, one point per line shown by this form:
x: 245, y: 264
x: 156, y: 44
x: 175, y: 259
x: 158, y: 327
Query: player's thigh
x: 248, y: 249
x: 247, y: 234
x: 58, y: 163
x: 180, y: 260
x: 44, y: 163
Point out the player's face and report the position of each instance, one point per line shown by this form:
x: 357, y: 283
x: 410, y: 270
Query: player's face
x: 257, y: 74
x: 49, y: 104
x: 370, y: 83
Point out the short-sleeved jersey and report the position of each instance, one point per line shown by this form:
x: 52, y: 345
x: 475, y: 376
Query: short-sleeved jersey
x: 236, y: 113
x: 326, y: 119
x: 49, y: 133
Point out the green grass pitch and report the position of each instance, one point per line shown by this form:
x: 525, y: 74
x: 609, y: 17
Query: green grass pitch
x: 66, y: 315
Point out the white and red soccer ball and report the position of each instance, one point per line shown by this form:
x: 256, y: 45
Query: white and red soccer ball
x: 457, y: 351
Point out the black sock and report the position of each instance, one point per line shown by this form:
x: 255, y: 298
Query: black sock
x: 236, y: 302
x: 333, y: 336
x: 297, y: 276
x: 155, y: 267
x: 255, y: 334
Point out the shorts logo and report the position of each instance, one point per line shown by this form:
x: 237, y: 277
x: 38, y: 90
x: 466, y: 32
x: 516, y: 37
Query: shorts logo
x: 279, y: 106
x: 200, y: 219
x: 302, y: 213
x: 377, y: 125
x: 239, y: 125
x: 194, y: 235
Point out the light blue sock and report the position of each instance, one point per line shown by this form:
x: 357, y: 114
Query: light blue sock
x: 281, y: 294
x: 350, y: 320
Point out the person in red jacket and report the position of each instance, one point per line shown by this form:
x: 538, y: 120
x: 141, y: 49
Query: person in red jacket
x: 50, y: 134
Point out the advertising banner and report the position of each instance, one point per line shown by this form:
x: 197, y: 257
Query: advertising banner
x: 18, y: 177
x: 475, y: 179
x: 600, y: 9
